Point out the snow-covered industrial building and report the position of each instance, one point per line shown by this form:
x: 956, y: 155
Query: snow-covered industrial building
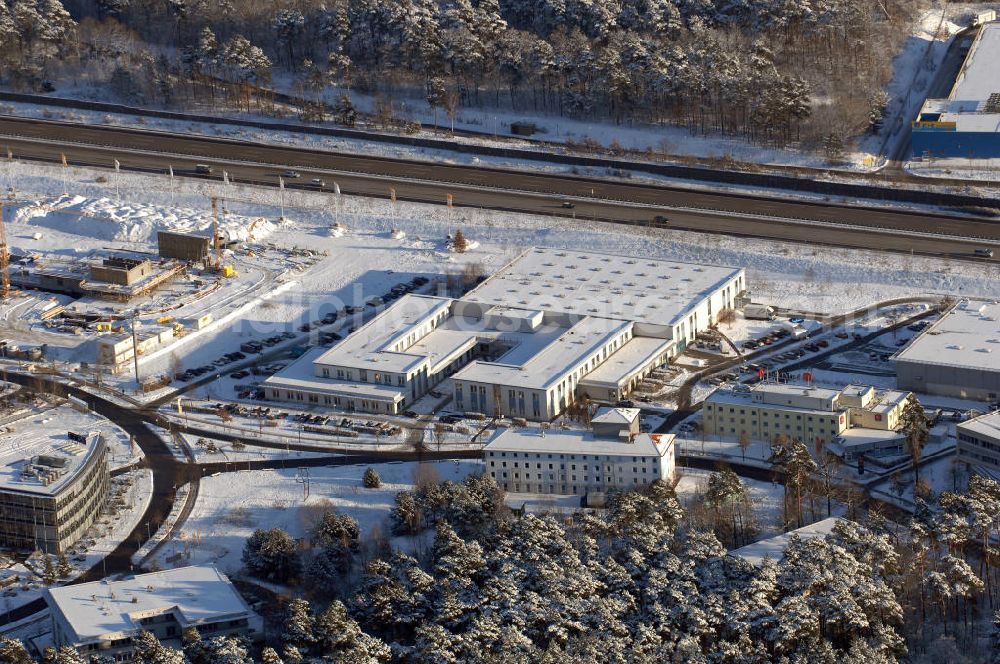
x: 979, y: 441
x: 102, y: 618
x: 536, y: 460
x: 967, y: 123
x: 957, y: 356
x: 547, y: 329
x: 51, y: 489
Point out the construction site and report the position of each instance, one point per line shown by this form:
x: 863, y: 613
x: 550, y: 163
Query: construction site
x: 107, y: 304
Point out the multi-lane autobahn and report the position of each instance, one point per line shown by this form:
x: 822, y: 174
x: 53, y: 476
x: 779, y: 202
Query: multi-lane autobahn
x: 634, y: 203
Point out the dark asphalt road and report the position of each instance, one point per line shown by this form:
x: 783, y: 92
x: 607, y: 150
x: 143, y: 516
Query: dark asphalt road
x: 594, y: 199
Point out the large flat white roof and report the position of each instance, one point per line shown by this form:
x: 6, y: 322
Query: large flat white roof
x: 195, y: 594
x: 38, y: 457
x: 966, y: 336
x: 588, y: 283
x: 979, y: 78
x: 549, y: 363
x: 369, y: 346
x: 554, y: 441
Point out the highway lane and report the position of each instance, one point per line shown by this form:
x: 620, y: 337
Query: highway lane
x: 597, y: 199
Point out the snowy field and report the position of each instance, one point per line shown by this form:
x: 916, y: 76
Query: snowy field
x: 231, y: 506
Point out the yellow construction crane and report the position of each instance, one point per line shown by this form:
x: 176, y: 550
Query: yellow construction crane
x: 4, y: 258
x: 215, y: 234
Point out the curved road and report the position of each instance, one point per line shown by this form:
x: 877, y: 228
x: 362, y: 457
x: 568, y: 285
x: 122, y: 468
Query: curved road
x: 170, y: 472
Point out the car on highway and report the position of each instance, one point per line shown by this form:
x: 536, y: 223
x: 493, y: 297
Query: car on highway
x: 292, y: 174
x: 661, y: 219
x: 203, y: 169
x: 568, y: 205
x: 316, y: 182
x: 983, y: 252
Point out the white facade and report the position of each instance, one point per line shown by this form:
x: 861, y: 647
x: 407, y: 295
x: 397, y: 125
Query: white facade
x: 575, y: 462
x: 979, y: 441
x: 102, y: 617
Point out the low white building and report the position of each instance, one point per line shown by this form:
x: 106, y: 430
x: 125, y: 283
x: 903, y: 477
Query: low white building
x: 536, y: 460
x: 101, y: 618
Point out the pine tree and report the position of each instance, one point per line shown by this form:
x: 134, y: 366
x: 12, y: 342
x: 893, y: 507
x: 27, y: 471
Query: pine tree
x: 339, y: 637
x: 149, y: 650
x: 298, y: 626
x: 371, y: 479
x: 915, y: 426
x: 69, y: 655
x: 48, y: 570
x: 270, y: 656
x: 272, y: 555
x: 459, y: 243
x: 64, y: 569
x: 12, y: 651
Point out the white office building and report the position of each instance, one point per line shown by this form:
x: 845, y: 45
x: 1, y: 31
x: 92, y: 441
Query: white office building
x: 101, y: 618
x: 585, y: 326
x: 979, y: 441
x: 535, y: 460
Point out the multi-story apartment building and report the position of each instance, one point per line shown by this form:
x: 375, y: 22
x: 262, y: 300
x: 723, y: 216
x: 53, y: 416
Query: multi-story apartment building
x: 535, y: 460
x: 814, y: 415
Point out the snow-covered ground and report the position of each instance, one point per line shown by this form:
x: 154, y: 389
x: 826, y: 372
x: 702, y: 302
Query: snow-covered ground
x: 231, y: 506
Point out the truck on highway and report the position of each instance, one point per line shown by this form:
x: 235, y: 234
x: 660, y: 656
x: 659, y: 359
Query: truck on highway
x: 754, y: 311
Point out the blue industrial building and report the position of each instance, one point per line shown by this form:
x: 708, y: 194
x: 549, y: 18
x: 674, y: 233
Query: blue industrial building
x: 967, y: 123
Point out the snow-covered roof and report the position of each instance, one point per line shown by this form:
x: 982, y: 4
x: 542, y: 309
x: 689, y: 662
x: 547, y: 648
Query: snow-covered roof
x: 774, y: 547
x: 381, y: 344
x: 889, y: 401
x: 849, y: 438
x: 38, y: 457
x: 299, y: 375
x: 987, y: 425
x: 800, y: 398
x: 966, y: 336
x: 629, y: 360
x: 606, y: 415
x: 548, y: 364
x: 194, y: 595
x: 978, y: 77
x: 588, y: 283
x: 554, y: 441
